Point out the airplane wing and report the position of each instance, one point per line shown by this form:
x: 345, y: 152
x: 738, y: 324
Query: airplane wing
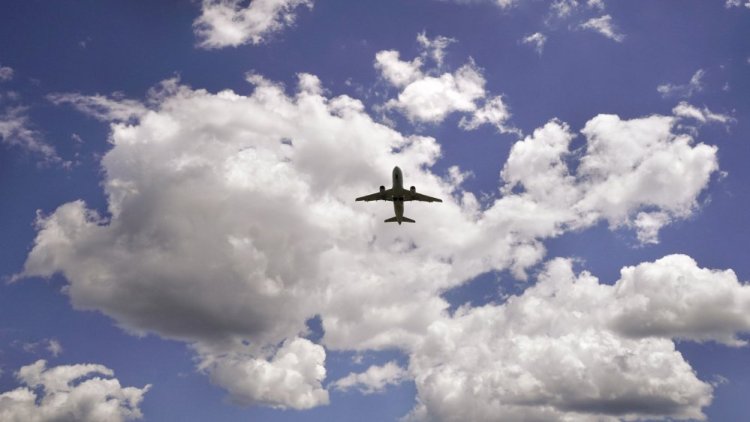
x: 416, y: 196
x: 385, y: 195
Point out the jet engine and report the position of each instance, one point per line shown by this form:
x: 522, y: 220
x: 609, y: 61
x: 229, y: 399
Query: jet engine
x: 413, y: 189
x: 382, y: 189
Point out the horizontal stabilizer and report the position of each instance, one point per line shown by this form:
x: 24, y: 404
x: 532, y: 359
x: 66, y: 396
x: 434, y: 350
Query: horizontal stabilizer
x: 403, y: 220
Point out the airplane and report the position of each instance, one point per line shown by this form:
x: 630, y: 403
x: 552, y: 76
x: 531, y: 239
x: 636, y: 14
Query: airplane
x: 398, y: 195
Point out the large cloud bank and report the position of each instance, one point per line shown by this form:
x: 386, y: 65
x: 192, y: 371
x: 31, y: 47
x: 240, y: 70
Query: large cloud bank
x: 231, y: 222
x: 70, y: 393
x: 571, y: 348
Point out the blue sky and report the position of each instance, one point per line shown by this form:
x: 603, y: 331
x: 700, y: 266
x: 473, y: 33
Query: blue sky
x: 180, y: 240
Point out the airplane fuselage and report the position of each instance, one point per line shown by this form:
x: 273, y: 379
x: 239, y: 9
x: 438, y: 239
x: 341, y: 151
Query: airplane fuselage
x: 398, y: 187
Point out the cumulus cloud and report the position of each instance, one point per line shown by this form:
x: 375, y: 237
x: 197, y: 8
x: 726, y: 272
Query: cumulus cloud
x: 635, y: 173
x: 225, y: 23
x: 537, y: 40
x: 396, y: 71
x: 6, y: 73
x: 70, y: 392
x: 572, y: 348
x: 374, y: 380
x: 604, y: 26
x: 291, y: 378
x: 100, y: 107
x: 430, y: 99
x: 183, y: 249
x: 674, y: 298
x: 683, y: 91
x: 429, y: 96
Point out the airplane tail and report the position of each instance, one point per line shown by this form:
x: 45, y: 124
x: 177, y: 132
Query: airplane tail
x: 403, y: 219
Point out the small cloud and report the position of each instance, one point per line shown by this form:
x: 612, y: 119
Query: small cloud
x: 225, y: 23
x: 704, y: 115
x: 107, y: 109
x: 374, y: 380
x: 563, y: 8
x: 686, y: 90
x: 54, y: 347
x: 536, y: 39
x: 16, y: 130
x: 736, y: 3
x: 604, y: 26
x: 434, y: 48
x: 6, y: 73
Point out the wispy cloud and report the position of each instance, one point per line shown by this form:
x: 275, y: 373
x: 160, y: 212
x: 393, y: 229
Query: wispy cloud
x: 604, y: 26
x: 685, y: 90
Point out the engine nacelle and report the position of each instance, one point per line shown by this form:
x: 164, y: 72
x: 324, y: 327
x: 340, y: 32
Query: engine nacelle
x: 413, y: 189
x: 382, y: 189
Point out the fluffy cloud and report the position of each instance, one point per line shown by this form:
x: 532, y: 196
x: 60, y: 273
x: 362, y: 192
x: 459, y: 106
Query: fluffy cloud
x: 374, y: 380
x: 225, y: 23
x: 673, y: 297
x: 396, y: 71
x: 291, y: 378
x: 635, y: 173
x: 571, y: 348
x: 429, y: 97
x: 604, y: 26
x: 184, y: 249
x: 70, y: 392
x: 683, y: 91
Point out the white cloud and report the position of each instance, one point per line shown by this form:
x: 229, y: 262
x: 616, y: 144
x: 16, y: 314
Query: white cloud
x: 683, y: 91
x: 494, y: 112
x: 225, y: 23
x: 100, y: 107
x: 736, y: 3
x: 374, y: 380
x: 193, y: 185
x: 572, y: 348
x: 536, y: 39
x: 396, y: 71
x: 563, y: 8
x: 54, y: 347
x: 704, y: 115
x: 428, y: 97
x: 674, y: 298
x: 632, y: 172
x: 604, y: 26
x: 6, y: 73
x: 16, y: 130
x: 70, y: 392
x: 291, y: 378
x: 434, y: 48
